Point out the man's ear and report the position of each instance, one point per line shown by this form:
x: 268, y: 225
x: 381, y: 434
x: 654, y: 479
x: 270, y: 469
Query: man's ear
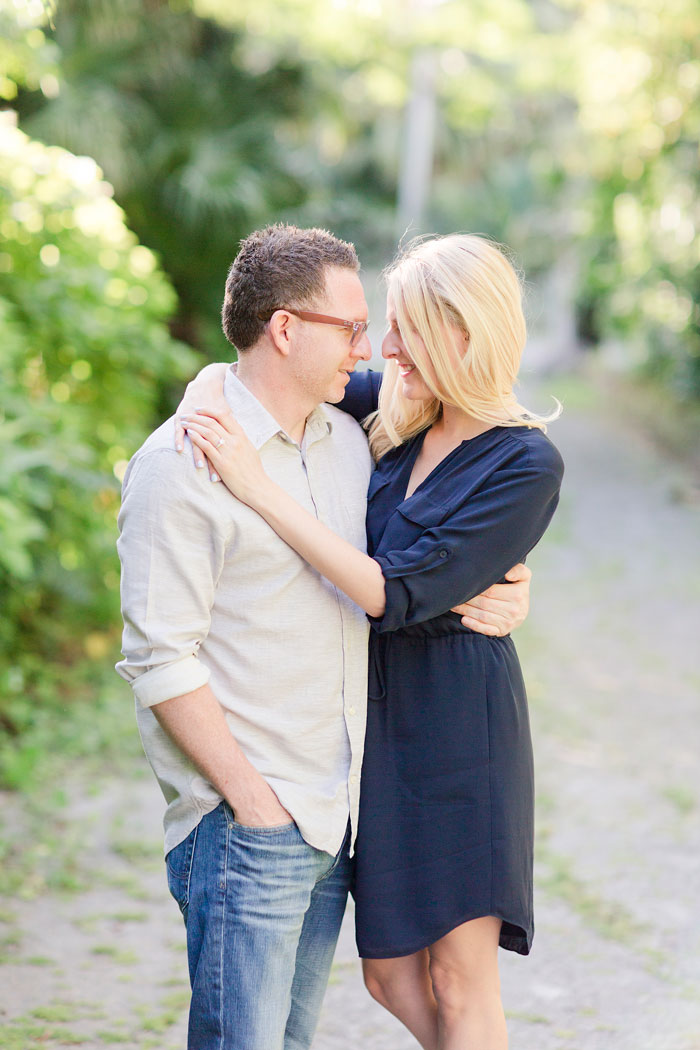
x: 281, y: 327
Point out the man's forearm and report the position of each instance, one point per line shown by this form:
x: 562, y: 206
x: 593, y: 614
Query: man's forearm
x: 195, y: 721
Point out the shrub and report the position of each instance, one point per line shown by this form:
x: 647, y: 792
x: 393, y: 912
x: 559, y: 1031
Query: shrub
x: 85, y: 354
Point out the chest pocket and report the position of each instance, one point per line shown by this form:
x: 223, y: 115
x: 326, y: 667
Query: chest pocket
x: 412, y: 519
x: 416, y: 543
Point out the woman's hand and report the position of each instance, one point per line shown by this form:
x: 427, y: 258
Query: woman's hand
x: 238, y: 464
x: 207, y: 388
x: 232, y: 456
x: 501, y: 608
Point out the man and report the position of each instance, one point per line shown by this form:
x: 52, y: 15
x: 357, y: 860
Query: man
x: 248, y: 668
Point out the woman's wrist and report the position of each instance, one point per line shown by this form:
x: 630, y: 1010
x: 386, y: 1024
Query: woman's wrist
x: 266, y: 499
x: 208, y: 385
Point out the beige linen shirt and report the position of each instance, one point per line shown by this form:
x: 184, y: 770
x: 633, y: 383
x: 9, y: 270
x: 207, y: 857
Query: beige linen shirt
x: 210, y: 593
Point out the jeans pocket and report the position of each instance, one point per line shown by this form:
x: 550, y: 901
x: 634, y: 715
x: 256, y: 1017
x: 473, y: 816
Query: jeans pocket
x: 273, y: 829
x: 256, y: 829
x: 178, y: 865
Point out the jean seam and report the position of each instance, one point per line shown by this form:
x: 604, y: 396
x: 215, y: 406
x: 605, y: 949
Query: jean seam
x: 191, y: 865
x: 223, y: 933
x: 336, y: 862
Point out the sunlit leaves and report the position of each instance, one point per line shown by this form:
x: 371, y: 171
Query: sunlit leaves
x: 28, y: 59
x: 636, y: 75
x: 562, y: 125
x: 84, y: 350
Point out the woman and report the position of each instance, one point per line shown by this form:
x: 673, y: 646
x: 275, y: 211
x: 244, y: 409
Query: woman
x: 465, y: 485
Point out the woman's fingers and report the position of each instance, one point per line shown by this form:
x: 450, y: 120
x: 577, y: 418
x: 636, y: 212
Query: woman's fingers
x: 215, y: 433
x: 200, y: 461
x: 232, y: 455
x: 179, y: 435
x: 219, y: 444
x: 204, y: 425
x: 205, y: 451
x: 221, y: 422
x: 209, y: 440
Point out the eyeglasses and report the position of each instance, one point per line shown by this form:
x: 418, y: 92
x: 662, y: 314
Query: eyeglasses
x: 358, y: 327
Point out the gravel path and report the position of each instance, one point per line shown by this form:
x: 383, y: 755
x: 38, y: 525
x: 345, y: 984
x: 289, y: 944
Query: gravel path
x: 92, y: 947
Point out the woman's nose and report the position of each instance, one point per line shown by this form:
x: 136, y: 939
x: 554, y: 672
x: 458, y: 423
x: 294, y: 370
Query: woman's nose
x: 389, y: 350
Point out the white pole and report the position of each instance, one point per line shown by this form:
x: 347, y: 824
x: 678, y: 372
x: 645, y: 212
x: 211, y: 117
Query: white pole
x: 418, y: 145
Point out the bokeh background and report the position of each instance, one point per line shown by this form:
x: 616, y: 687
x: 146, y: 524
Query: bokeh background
x: 141, y: 139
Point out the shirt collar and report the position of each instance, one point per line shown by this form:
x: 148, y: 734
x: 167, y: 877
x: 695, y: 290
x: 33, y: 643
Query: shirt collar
x: 318, y: 425
x: 257, y: 422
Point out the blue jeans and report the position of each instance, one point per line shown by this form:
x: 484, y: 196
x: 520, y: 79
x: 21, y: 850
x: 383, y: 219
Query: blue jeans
x: 263, y: 910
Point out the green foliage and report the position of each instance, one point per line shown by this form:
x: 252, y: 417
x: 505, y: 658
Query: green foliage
x: 636, y: 78
x: 59, y: 715
x: 84, y: 353
x: 565, y: 129
x: 568, y: 129
x: 28, y: 60
x: 201, y: 141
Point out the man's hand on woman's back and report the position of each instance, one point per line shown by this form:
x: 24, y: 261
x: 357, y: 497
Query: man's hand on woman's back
x: 501, y: 608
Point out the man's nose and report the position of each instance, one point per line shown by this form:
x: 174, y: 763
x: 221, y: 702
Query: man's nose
x: 363, y: 348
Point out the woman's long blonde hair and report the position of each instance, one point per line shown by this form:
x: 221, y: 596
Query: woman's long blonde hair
x: 465, y: 283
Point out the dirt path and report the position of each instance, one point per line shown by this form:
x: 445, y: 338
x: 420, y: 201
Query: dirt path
x: 93, y: 948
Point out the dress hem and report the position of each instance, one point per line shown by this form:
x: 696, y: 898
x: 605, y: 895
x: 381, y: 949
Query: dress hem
x: 509, y: 942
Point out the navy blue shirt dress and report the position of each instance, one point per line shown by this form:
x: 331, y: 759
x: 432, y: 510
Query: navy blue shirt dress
x: 447, y: 800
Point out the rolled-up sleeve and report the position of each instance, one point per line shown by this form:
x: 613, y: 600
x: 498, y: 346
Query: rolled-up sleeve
x: 172, y: 545
x: 472, y: 548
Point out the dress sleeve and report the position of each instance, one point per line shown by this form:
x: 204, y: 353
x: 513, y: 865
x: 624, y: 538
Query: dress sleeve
x: 472, y: 548
x: 361, y: 394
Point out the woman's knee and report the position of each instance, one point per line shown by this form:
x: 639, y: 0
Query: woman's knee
x: 378, y: 981
x: 396, y: 982
x: 464, y: 969
x: 456, y: 986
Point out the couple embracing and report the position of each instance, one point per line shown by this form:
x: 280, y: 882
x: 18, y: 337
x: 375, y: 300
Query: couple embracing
x: 319, y: 646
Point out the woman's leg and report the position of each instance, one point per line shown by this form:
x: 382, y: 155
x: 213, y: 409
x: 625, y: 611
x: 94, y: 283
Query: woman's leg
x: 464, y: 972
x: 403, y: 987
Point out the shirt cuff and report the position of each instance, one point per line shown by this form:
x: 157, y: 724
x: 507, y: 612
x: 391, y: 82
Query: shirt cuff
x: 163, y: 683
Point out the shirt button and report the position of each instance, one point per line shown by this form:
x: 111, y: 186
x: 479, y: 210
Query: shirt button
x: 443, y: 554
x: 353, y: 779
x: 351, y: 711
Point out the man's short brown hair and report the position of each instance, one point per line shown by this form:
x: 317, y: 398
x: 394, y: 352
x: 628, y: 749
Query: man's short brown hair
x: 279, y: 266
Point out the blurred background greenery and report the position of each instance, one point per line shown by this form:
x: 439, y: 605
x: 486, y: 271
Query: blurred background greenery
x: 139, y: 141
